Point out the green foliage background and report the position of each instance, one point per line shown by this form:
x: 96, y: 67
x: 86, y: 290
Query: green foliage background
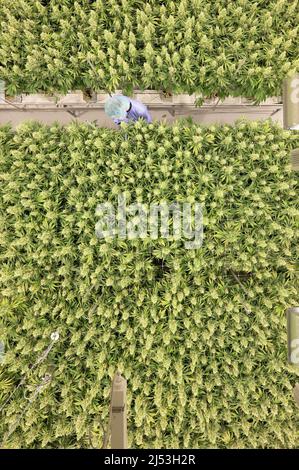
x: 211, y: 47
x: 205, y: 361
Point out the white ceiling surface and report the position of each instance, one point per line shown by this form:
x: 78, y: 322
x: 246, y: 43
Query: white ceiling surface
x: 75, y: 105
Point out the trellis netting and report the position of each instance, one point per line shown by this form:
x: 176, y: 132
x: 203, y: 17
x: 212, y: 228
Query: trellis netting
x: 209, y: 47
x: 204, y: 351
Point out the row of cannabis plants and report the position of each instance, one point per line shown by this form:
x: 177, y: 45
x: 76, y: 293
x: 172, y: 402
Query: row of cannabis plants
x: 208, y: 47
x: 200, y: 334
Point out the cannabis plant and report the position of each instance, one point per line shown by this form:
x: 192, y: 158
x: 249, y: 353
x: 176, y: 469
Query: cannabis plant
x: 199, y: 334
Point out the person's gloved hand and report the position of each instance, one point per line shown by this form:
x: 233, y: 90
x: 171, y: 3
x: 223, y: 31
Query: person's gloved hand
x: 118, y: 121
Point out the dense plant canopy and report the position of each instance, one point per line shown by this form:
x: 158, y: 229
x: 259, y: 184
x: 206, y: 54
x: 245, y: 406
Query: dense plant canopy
x: 205, y: 356
x: 241, y: 47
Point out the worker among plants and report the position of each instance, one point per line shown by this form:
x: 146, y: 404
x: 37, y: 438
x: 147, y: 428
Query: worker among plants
x: 124, y: 109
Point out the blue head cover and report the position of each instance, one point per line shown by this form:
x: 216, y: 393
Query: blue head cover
x: 116, y: 107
